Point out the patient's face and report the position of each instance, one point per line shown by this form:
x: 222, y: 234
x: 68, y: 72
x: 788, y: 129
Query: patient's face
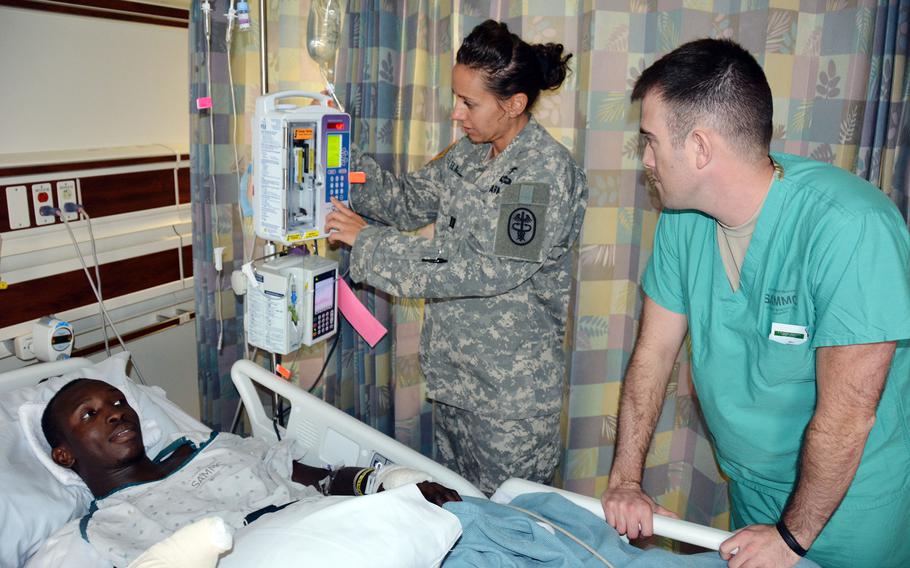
x: 100, y: 427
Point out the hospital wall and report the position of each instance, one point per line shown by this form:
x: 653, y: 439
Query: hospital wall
x: 100, y: 104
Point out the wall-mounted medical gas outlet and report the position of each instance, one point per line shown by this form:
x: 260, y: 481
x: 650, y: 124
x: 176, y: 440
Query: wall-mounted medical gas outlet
x: 41, y: 197
x: 294, y: 302
x: 66, y: 193
x: 300, y: 160
x: 22, y: 347
x: 17, y: 207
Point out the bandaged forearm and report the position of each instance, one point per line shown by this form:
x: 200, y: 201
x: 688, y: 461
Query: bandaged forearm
x: 366, y: 481
x: 394, y: 476
x: 198, y: 545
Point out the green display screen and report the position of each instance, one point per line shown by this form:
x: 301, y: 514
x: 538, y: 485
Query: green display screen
x: 333, y: 151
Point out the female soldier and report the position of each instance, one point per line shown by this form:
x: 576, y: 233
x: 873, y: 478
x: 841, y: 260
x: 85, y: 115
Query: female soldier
x: 507, y: 202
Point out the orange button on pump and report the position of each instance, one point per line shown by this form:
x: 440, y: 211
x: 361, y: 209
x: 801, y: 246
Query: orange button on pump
x: 357, y: 177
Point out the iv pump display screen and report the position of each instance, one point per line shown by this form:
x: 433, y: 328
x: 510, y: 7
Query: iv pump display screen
x: 324, y: 296
x: 333, y: 151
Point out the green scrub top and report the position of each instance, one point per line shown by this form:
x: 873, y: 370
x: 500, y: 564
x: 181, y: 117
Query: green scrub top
x: 828, y: 264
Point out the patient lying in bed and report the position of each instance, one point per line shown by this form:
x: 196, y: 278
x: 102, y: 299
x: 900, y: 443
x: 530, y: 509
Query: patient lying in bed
x: 139, y: 501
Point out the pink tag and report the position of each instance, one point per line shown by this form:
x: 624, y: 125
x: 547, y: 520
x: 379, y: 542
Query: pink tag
x: 358, y: 316
x: 203, y: 102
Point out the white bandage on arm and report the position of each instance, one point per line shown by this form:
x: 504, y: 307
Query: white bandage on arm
x: 194, y: 546
x: 394, y: 476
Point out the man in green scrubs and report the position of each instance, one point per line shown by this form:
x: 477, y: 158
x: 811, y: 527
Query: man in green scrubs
x: 792, y: 278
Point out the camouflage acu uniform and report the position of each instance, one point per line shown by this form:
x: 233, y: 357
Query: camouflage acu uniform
x: 488, y: 450
x: 496, y: 275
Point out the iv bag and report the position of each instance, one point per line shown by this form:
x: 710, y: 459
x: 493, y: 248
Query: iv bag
x: 323, y: 30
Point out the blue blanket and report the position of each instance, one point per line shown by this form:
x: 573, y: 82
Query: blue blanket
x: 497, y: 536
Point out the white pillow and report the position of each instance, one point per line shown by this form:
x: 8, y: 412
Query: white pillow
x: 394, y: 529
x: 33, y: 504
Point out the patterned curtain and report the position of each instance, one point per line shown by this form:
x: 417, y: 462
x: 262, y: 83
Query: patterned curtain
x: 884, y: 154
x: 214, y: 188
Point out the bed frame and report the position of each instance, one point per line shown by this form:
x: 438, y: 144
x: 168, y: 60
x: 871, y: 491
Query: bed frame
x: 333, y: 437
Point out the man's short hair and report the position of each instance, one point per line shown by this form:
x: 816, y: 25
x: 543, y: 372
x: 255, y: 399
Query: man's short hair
x: 716, y: 81
x: 50, y: 422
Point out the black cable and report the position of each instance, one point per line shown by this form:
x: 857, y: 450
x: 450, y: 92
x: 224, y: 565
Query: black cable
x: 275, y: 426
x: 326, y: 363
x: 334, y: 344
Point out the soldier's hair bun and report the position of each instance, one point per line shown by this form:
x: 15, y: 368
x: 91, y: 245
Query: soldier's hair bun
x: 553, y: 65
x: 510, y: 64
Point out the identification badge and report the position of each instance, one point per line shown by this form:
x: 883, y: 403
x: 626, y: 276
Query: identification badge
x: 788, y: 334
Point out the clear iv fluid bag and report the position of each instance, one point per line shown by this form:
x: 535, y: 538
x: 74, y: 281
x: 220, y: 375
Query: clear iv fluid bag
x: 323, y: 28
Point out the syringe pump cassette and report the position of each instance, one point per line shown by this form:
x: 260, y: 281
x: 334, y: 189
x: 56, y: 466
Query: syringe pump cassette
x: 301, y: 158
x: 294, y: 303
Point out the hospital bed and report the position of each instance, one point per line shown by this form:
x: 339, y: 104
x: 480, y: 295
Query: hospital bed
x: 330, y: 436
x: 336, y: 437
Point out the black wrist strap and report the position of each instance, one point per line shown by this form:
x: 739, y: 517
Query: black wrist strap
x: 789, y: 539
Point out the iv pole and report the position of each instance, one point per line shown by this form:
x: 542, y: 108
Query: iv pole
x: 263, y: 42
x: 263, y: 90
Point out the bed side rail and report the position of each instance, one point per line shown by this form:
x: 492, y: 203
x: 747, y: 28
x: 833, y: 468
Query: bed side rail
x: 330, y: 436
x: 683, y: 531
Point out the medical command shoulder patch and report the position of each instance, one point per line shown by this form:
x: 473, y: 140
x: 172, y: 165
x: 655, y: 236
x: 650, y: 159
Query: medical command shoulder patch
x: 521, y: 227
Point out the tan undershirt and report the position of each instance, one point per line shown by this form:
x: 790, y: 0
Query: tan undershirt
x: 733, y: 242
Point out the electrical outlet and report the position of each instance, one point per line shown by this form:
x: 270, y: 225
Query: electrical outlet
x: 66, y: 193
x: 41, y: 196
x: 23, y: 347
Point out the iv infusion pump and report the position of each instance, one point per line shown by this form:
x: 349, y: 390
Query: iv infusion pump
x: 301, y: 158
x: 293, y: 303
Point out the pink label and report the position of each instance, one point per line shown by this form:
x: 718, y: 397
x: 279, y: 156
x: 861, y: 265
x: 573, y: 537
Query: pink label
x: 358, y: 316
x: 203, y: 102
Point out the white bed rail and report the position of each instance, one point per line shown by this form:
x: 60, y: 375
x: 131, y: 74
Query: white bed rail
x: 683, y: 531
x: 32, y: 374
x: 331, y: 437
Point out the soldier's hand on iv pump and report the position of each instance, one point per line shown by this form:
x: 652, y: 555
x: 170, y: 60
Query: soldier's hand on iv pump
x: 343, y: 224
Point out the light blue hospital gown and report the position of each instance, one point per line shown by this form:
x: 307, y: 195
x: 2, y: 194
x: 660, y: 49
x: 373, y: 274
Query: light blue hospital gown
x: 228, y: 476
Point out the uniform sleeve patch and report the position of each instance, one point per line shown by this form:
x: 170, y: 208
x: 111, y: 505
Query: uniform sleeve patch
x: 521, y: 228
